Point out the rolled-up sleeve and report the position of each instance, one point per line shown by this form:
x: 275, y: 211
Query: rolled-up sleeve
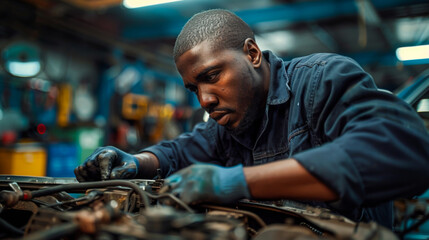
x: 376, y: 147
x: 196, y: 146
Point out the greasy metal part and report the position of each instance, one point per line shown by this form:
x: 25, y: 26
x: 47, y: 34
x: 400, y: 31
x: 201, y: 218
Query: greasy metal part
x: 313, y: 229
x: 283, y: 232
x: 324, y: 223
x: 295, y: 208
x: 9, y: 198
x: 15, y: 187
x: 46, y: 219
x: 87, y: 198
x: 39, y: 181
x: 116, y: 210
x: 87, y: 185
x: 54, y: 233
x: 227, y: 214
x: 250, y: 214
x: 103, y: 213
x: 341, y: 230
x: 171, y: 223
x: 26, y: 206
x: 159, y: 182
x: 127, y: 228
x: 122, y: 198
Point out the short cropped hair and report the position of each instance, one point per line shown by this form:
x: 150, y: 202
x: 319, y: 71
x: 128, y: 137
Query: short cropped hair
x: 221, y: 27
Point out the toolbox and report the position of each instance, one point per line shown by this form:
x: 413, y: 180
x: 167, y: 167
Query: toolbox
x: 23, y: 159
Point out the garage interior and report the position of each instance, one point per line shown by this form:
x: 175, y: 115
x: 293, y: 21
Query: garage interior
x: 102, y: 73
x: 95, y: 53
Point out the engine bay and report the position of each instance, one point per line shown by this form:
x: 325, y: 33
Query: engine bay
x: 62, y: 208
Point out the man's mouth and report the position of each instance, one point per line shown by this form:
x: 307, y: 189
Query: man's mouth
x: 222, y: 118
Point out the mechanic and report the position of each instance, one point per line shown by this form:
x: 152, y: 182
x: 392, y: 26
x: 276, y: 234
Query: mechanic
x: 315, y: 128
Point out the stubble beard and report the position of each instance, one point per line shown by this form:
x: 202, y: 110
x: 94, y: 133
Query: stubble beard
x: 254, y: 113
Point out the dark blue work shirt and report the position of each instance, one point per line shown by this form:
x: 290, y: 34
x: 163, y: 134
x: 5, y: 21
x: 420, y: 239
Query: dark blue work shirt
x: 326, y: 112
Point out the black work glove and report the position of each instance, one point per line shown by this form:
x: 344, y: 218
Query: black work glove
x: 107, y: 163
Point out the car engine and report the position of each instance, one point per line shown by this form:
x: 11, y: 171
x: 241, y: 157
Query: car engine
x: 62, y: 208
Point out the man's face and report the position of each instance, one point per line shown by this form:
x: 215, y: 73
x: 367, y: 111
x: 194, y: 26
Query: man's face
x: 227, y: 83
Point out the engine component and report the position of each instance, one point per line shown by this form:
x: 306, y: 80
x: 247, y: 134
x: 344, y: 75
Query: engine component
x: 53, y: 208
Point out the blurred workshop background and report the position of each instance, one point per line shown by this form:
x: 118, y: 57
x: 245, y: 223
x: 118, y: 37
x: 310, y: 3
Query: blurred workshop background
x: 79, y: 74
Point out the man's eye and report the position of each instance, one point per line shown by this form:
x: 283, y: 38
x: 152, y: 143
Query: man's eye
x: 211, y: 77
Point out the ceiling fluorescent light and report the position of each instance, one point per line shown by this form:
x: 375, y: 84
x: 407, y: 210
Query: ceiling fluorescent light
x: 23, y: 69
x: 144, y: 3
x: 413, y: 53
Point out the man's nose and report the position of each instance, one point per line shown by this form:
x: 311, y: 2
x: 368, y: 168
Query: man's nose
x: 207, y: 100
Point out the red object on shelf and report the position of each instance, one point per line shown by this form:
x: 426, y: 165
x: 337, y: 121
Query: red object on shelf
x: 8, y: 138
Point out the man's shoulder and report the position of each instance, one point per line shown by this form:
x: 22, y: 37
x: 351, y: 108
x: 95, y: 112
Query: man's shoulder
x: 302, y: 67
x: 318, y: 58
x: 307, y: 71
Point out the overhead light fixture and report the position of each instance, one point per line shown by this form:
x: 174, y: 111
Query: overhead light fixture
x: 144, y: 3
x: 23, y: 69
x: 413, y: 53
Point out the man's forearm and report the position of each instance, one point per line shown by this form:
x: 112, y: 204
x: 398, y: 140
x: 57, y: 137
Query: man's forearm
x: 286, y: 179
x: 148, y: 164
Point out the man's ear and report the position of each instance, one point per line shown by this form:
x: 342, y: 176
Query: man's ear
x: 253, y: 52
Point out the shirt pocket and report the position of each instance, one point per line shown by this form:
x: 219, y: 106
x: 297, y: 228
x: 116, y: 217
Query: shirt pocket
x: 299, y: 140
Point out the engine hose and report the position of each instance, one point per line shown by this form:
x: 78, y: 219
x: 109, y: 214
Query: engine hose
x: 86, y: 185
x: 10, y: 228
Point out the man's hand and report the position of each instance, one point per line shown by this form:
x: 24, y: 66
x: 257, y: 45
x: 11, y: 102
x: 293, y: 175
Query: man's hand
x: 107, y: 163
x: 208, y: 183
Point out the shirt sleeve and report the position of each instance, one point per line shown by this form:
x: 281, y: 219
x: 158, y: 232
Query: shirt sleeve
x: 196, y: 146
x: 376, y: 146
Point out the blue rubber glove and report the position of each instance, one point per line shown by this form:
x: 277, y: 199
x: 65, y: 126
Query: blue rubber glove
x: 208, y: 183
x: 107, y: 163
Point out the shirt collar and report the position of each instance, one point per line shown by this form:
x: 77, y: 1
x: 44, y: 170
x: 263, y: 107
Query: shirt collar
x: 279, y: 91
